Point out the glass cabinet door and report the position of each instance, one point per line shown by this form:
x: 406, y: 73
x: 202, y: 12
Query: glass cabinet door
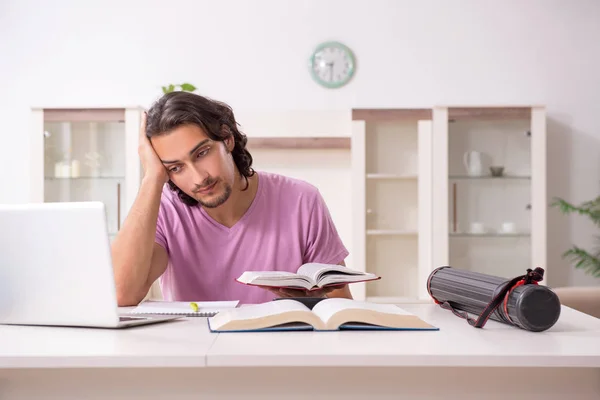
x: 490, y: 195
x: 492, y: 188
x: 85, y: 159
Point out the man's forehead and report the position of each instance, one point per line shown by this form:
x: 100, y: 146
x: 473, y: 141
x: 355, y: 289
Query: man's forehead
x: 179, y: 143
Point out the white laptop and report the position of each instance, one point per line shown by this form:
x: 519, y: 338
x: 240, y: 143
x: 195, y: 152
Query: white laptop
x: 56, y: 268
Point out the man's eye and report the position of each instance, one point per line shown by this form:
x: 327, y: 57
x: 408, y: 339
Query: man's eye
x: 202, y: 153
x: 174, y: 169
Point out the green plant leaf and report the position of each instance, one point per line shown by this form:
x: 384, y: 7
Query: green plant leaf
x: 584, y: 260
x: 188, y: 87
x: 171, y: 88
x: 164, y: 89
x: 591, y: 208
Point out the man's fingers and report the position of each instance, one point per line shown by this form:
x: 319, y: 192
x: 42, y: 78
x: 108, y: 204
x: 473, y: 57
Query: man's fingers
x: 143, y: 124
x: 275, y: 291
x: 300, y: 293
x: 285, y: 292
x: 281, y: 292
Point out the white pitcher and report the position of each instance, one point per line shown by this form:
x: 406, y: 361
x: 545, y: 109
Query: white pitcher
x: 473, y: 164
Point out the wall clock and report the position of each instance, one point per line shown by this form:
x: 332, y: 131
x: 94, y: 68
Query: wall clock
x: 332, y: 64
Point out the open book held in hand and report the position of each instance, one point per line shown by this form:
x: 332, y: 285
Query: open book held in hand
x: 310, y: 276
x: 328, y: 315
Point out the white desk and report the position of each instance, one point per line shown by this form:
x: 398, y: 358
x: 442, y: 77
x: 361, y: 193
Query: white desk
x: 182, y: 359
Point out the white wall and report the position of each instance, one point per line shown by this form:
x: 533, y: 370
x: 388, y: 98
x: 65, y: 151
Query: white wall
x: 253, y: 54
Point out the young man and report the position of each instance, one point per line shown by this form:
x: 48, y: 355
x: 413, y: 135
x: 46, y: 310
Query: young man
x: 203, y: 215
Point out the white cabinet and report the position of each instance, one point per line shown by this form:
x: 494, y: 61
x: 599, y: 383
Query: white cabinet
x: 489, y: 188
x: 86, y: 154
x: 392, y: 194
x: 427, y: 193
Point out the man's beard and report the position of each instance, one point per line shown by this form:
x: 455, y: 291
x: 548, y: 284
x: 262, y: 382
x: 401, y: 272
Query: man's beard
x: 216, y: 202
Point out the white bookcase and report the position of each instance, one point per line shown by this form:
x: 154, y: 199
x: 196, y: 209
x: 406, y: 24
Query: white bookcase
x: 85, y: 154
x: 419, y: 202
x: 392, y: 194
x: 494, y: 224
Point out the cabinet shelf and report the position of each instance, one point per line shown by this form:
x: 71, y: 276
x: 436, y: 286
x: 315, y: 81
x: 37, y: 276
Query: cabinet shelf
x: 491, y: 235
x: 390, y: 232
x: 391, y: 176
x: 490, y: 177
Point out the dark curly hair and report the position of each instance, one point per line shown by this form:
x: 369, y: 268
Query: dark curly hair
x: 214, y: 117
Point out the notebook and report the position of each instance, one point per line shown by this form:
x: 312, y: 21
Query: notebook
x: 184, y: 308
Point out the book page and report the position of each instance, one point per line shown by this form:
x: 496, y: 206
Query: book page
x: 257, y: 311
x: 325, y: 309
x: 276, y: 279
x: 249, y: 276
x: 332, y: 278
x: 315, y: 270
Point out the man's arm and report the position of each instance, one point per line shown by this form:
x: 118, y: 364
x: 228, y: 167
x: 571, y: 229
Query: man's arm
x: 138, y: 261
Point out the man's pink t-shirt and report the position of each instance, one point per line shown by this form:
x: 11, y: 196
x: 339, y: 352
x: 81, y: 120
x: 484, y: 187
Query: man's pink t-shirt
x: 288, y: 224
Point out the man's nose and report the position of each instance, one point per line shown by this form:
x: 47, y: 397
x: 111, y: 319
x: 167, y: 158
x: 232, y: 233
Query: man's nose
x: 199, y: 175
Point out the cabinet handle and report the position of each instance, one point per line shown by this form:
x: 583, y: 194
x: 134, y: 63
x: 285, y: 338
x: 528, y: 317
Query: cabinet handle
x: 118, y: 207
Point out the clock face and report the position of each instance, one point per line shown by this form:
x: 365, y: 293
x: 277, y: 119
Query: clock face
x: 332, y: 64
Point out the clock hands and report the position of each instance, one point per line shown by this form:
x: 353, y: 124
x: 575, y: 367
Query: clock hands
x: 332, y: 64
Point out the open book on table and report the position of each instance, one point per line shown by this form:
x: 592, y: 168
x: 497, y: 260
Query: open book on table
x: 327, y: 315
x: 310, y: 276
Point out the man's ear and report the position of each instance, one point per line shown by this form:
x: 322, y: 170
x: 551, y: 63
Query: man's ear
x: 229, y: 140
x: 230, y: 143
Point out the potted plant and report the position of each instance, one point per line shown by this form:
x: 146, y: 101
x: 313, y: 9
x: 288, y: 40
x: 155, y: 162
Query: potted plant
x: 589, y: 261
x: 185, y: 87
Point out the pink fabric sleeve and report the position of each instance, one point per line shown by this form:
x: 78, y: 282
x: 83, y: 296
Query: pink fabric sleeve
x: 160, y: 236
x: 324, y: 244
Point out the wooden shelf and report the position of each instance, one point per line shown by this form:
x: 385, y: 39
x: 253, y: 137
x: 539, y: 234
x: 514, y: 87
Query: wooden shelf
x: 487, y: 113
x: 454, y: 113
x: 392, y: 114
x: 299, y: 142
x: 84, y: 115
